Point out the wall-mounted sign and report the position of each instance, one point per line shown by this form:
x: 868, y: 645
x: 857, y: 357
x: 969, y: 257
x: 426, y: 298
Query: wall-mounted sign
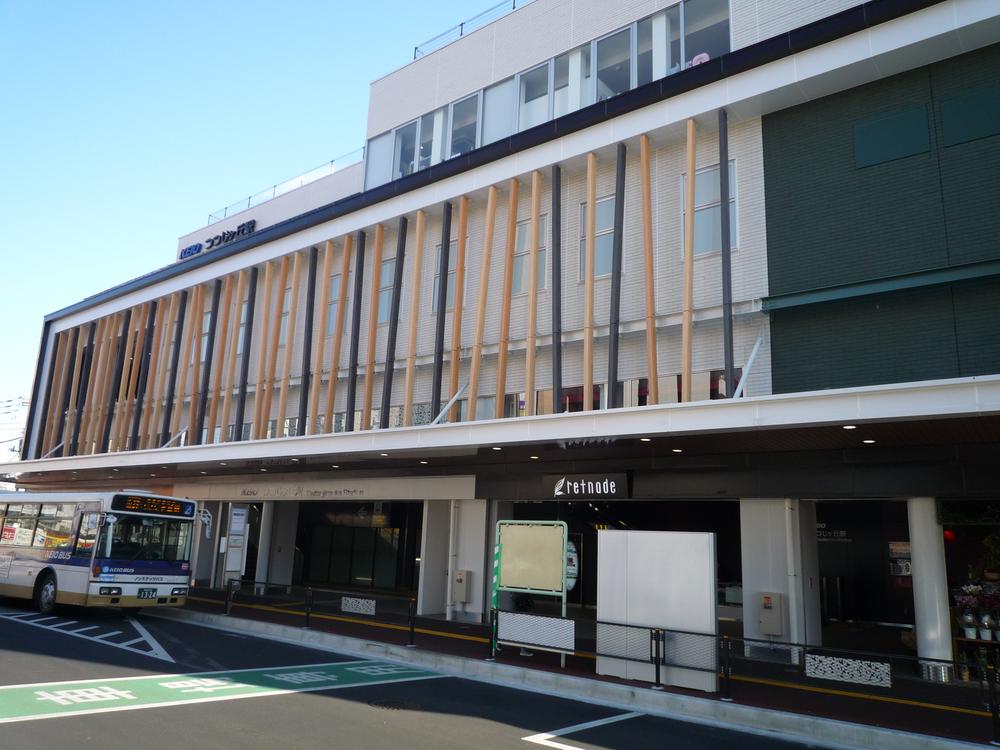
x: 218, y: 240
x: 587, y: 486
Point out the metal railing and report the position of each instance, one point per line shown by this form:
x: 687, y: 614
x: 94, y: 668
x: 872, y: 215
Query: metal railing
x: 323, y: 170
x: 468, y: 26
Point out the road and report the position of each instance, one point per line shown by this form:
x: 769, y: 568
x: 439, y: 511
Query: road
x: 98, y: 679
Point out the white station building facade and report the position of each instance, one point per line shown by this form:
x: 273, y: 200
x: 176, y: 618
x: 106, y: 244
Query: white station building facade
x: 539, y: 272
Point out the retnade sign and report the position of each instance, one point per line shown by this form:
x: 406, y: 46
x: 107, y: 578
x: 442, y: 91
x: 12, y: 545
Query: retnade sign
x: 587, y: 486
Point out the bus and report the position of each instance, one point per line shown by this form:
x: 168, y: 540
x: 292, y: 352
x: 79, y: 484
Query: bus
x: 126, y: 549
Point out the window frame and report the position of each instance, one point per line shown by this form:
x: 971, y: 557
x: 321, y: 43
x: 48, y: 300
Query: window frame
x: 597, y: 233
x: 733, y: 195
x: 526, y: 253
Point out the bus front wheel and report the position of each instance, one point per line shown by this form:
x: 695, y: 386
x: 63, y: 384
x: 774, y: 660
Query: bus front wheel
x: 45, y: 593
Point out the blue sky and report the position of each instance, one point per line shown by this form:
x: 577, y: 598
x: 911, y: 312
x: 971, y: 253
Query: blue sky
x: 124, y: 124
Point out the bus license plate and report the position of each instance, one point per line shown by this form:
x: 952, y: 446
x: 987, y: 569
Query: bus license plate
x: 147, y: 593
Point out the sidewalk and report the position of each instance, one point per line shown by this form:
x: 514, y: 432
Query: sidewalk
x: 832, y: 715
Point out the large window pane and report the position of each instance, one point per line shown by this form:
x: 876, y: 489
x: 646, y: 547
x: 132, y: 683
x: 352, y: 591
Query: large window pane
x: 378, y: 161
x: 499, y: 109
x: 604, y: 225
x: 659, y: 46
x: 614, y: 64
x: 522, y: 255
x: 432, y: 129
x: 573, y: 87
x: 706, y: 30
x: 707, y: 219
x: 463, y: 125
x: 385, y: 289
x: 534, y: 107
x: 405, y: 150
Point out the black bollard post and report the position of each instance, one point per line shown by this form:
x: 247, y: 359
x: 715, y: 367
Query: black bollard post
x: 727, y: 669
x: 231, y: 589
x: 493, y: 635
x: 656, y: 648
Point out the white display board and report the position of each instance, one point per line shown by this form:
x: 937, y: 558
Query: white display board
x: 657, y: 579
x: 532, y: 556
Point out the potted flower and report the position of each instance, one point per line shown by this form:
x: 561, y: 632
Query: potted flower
x: 968, y: 602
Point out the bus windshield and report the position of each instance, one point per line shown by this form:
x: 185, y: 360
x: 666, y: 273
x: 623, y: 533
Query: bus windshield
x: 145, y: 538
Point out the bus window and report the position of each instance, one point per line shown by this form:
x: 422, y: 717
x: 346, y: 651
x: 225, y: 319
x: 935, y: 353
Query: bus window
x: 143, y: 538
x: 88, y: 533
x: 55, y: 527
x: 19, y: 524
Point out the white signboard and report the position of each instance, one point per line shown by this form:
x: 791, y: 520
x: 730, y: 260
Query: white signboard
x: 532, y: 556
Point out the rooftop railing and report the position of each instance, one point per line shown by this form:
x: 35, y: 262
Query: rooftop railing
x: 323, y: 170
x: 468, y: 26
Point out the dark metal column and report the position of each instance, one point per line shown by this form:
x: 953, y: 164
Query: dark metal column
x: 556, y: 222
x: 81, y: 394
x: 614, y: 393
x: 27, y: 449
x: 307, y: 339
x: 140, y: 396
x: 241, y: 393
x: 390, y: 345
x: 116, y: 381
x: 442, y: 308
x: 727, y: 273
x: 168, y: 406
x: 352, y: 377
x: 206, y: 371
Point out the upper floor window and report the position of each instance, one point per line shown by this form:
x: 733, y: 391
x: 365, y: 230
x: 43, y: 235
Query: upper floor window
x: 707, y: 216
x: 522, y: 256
x: 385, y: 289
x: 614, y: 64
x: 464, y: 125
x: 283, y: 328
x: 658, y: 42
x: 450, y: 294
x: 534, y: 102
x: 405, y: 151
x: 604, y: 230
x: 572, y: 87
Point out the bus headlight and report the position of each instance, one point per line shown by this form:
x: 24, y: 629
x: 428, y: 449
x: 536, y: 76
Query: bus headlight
x: 179, y: 591
x: 111, y: 591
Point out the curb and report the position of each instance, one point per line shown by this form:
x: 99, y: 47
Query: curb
x: 812, y: 730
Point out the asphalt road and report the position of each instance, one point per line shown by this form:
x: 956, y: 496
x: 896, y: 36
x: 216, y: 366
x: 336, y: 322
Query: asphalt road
x: 86, y: 678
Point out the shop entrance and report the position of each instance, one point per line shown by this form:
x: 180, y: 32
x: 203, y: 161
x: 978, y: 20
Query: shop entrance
x: 360, y: 546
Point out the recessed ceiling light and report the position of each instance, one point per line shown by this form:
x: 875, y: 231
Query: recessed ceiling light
x: 423, y: 462
x: 850, y: 427
x: 263, y: 469
x: 869, y: 441
x: 223, y: 463
x: 496, y: 447
x: 115, y: 470
x: 645, y: 440
x: 204, y: 472
x: 152, y: 475
x: 677, y: 450
x: 534, y: 458
x: 295, y: 460
x: 334, y: 466
x: 384, y: 455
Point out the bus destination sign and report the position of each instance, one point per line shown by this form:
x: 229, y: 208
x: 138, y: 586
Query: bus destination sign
x: 164, y: 506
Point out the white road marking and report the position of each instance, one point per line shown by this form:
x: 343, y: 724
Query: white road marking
x: 545, y: 738
x: 155, y: 650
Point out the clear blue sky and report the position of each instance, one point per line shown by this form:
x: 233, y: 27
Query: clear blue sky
x: 123, y: 124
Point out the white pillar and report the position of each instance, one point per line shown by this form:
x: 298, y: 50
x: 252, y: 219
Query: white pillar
x: 930, y: 580
x: 260, y: 575
x: 779, y: 555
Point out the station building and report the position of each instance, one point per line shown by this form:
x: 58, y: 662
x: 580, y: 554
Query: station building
x: 539, y: 271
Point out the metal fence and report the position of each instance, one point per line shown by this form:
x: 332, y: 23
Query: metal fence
x: 468, y: 26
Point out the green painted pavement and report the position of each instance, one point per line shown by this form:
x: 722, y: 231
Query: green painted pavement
x: 55, y: 699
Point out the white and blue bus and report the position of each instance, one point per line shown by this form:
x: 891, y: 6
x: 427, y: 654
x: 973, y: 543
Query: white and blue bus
x: 95, y: 549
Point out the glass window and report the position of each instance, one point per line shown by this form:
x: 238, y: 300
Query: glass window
x: 378, y: 161
x: 55, y: 527
x: 88, y: 533
x: 19, y: 524
x: 534, y: 101
x: 707, y: 219
x: 283, y: 329
x: 331, y: 306
x: 659, y: 46
x: 573, y: 86
x: 432, y: 129
x: 291, y: 427
x: 450, y: 296
x: 206, y: 323
x: 706, y: 30
x: 499, y: 111
x: 522, y: 255
x: 241, y: 337
x: 604, y: 227
x: 614, y: 64
x: 464, y: 122
x: 385, y: 289
x: 145, y: 538
x: 404, y: 151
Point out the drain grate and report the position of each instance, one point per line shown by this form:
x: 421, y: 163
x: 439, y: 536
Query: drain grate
x: 393, y: 705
